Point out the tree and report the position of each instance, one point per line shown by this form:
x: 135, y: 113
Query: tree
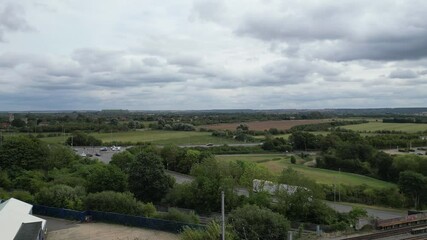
x: 106, y: 177
x: 122, y: 160
x: 147, y: 177
x: 61, y: 196
x: 83, y: 139
x: 253, y: 223
x: 170, y: 155
x: 116, y: 202
x: 414, y: 185
x: 18, y: 123
x: 58, y: 157
x: 23, y: 152
x: 211, y: 232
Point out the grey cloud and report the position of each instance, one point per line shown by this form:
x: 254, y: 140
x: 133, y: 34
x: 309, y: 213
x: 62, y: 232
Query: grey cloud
x: 151, y: 61
x: 11, y: 19
x: 403, y: 73
x: 185, y: 60
x: 208, y: 10
x: 296, y: 71
x: 342, y: 31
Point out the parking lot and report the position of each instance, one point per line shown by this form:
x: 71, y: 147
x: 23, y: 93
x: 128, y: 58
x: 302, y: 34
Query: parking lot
x: 105, y: 156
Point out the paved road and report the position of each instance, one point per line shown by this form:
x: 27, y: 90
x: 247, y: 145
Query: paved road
x: 382, y: 214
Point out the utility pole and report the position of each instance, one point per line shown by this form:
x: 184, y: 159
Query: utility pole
x: 335, y: 192
x: 339, y: 185
x: 223, y: 215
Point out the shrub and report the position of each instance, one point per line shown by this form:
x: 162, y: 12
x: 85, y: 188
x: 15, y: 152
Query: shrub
x: 109, y: 201
x: 174, y: 214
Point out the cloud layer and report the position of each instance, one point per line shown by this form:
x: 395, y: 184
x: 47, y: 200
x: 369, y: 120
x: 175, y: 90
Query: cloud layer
x: 204, y: 54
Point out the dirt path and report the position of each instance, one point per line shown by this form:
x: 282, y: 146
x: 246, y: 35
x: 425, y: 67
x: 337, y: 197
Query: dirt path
x: 59, y: 229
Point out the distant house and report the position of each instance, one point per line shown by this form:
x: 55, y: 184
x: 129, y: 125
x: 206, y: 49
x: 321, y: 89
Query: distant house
x: 5, y: 125
x: 18, y: 223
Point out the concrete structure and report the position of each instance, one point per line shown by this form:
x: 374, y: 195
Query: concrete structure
x: 18, y: 223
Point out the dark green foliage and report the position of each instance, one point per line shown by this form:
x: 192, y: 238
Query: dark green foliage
x: 414, y: 185
x: 5, y: 181
x: 31, y: 181
x: 212, y: 232
x: 147, y: 178
x: 22, y: 152
x: 174, y: 214
x: 61, y: 196
x: 59, y: 157
x: 252, y: 222
x: 22, y: 195
x: 276, y: 144
x: 109, y: 201
x: 18, y: 123
x: 293, y: 159
x: 122, y: 160
x: 83, y: 139
x: 203, y: 194
x: 304, y: 141
x: 106, y: 177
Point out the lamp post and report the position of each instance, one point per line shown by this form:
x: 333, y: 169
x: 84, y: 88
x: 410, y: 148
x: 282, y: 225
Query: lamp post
x: 223, y: 215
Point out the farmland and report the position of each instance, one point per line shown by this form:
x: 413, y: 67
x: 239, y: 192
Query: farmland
x: 277, y: 162
x: 264, y: 125
x: 154, y: 136
x: 379, y: 126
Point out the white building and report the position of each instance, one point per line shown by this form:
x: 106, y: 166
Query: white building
x: 18, y: 223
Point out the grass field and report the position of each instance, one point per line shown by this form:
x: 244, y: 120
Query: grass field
x: 275, y: 163
x: 154, y: 136
x: 376, y: 126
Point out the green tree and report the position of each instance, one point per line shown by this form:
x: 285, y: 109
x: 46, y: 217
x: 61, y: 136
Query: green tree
x: 106, y: 177
x: 23, y: 152
x: 83, y: 139
x: 212, y: 232
x: 122, y: 160
x: 61, y: 196
x: 18, y: 123
x: 252, y: 222
x: 58, y: 157
x: 147, y: 178
x: 109, y: 201
x: 414, y: 185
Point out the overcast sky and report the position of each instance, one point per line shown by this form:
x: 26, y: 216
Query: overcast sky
x: 212, y: 54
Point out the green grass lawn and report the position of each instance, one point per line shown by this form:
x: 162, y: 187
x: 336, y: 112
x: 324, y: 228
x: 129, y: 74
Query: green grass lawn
x: 375, y: 126
x: 275, y: 163
x: 154, y: 136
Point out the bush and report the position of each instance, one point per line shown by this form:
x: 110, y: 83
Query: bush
x: 24, y: 196
x: 109, y: 201
x: 252, y: 222
x: 212, y: 232
x: 174, y: 214
x: 61, y: 196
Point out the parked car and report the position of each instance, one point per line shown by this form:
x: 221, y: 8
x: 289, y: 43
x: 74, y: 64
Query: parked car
x: 103, y: 149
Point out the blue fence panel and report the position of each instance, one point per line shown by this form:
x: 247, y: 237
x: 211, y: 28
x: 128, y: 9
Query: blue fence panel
x: 59, y: 213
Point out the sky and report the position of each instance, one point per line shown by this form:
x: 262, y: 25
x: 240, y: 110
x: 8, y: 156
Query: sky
x: 212, y: 54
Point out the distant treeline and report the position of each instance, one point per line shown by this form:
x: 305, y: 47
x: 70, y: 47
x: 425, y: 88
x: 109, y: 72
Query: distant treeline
x: 405, y: 120
x: 325, y: 126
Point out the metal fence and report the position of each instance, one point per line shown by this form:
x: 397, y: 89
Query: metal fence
x: 59, y: 213
x: 123, y: 219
